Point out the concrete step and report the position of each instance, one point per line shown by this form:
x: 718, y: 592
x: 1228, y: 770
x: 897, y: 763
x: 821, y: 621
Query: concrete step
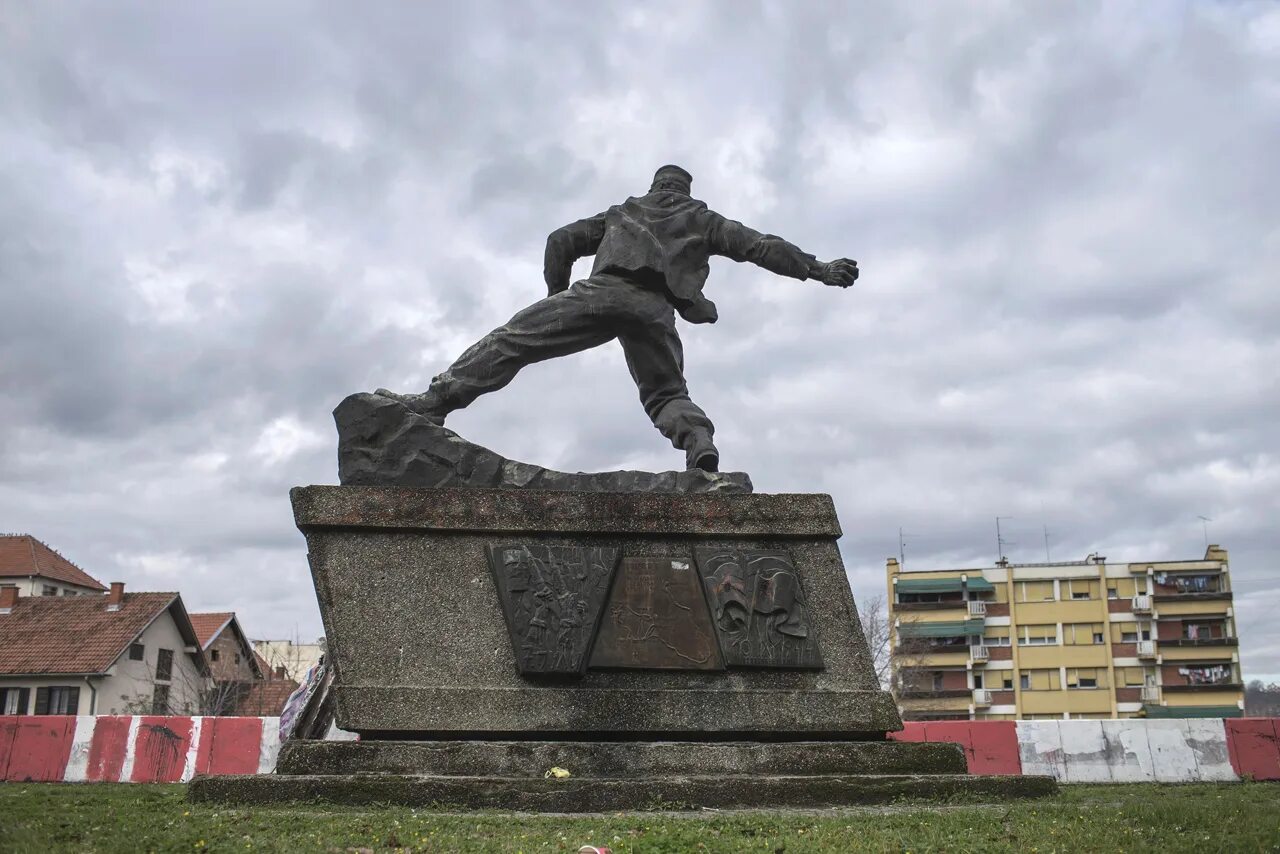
x: 618, y: 760
x: 582, y: 795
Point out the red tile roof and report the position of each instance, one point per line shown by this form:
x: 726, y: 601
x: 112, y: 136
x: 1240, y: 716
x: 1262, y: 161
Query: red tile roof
x: 208, y: 626
x: 22, y: 555
x: 266, y: 697
x: 77, y: 634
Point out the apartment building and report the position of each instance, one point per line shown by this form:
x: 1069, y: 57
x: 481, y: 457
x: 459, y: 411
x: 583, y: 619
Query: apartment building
x: 1083, y: 639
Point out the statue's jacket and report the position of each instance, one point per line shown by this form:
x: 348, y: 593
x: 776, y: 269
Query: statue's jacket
x: 664, y: 240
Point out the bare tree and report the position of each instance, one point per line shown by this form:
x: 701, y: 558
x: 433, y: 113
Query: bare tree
x: 211, y: 698
x: 876, y: 629
x: 1261, y: 701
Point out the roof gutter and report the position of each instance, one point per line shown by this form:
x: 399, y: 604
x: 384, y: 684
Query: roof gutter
x: 93, y: 696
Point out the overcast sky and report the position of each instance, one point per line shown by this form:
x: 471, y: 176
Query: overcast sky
x: 215, y: 223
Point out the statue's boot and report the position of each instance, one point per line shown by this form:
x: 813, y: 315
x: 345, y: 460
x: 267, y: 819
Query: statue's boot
x: 428, y: 404
x: 702, y: 454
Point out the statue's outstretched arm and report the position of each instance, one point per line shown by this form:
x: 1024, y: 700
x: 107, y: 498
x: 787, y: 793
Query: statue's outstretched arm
x: 734, y: 240
x: 568, y: 244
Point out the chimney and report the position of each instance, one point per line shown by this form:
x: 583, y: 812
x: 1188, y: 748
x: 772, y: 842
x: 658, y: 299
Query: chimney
x: 8, y: 598
x: 116, y: 596
x: 281, y: 673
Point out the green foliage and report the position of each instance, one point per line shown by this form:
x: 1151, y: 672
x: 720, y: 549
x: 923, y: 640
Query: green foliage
x: 135, y: 818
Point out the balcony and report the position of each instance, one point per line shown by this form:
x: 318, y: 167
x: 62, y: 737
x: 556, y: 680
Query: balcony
x: 1150, y: 693
x: 1201, y: 642
x: 1206, y: 686
x: 1142, y: 604
x: 932, y: 693
x: 981, y: 698
x: 1146, y: 649
x: 1197, y: 596
x: 977, y: 609
x: 979, y: 653
x: 945, y: 605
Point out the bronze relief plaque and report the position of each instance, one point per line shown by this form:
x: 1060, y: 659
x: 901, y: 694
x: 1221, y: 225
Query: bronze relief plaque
x: 759, y: 608
x: 552, y: 597
x: 657, y: 618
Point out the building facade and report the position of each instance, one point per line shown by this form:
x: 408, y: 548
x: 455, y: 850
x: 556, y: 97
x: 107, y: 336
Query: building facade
x: 122, y: 653
x: 1086, y: 639
x: 296, y: 658
x: 34, y: 569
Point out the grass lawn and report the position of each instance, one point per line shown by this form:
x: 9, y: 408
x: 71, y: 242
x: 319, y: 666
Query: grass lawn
x: 128, y: 818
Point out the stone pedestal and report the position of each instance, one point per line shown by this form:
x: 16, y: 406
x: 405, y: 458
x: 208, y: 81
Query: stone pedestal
x: 697, y: 649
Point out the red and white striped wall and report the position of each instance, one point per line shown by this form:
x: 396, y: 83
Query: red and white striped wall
x: 1115, y: 751
x: 134, y: 748
x: 143, y: 749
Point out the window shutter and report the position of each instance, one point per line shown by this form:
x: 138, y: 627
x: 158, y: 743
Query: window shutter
x: 24, y: 697
x: 73, y: 701
x: 42, y: 701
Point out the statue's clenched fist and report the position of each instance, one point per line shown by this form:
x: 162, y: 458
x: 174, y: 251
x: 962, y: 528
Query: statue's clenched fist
x: 840, y: 273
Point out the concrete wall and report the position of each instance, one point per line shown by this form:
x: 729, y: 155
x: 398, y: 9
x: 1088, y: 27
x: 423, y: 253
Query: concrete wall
x: 134, y: 748
x: 173, y: 749
x: 1115, y: 751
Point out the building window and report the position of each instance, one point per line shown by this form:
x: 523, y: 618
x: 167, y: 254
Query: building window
x: 1035, y: 591
x: 1208, y: 674
x: 1082, y: 634
x: 1041, y: 680
x: 996, y: 636
x: 48, y: 590
x: 136, y: 651
x: 1086, y: 677
x: 67, y: 591
x: 977, y: 680
x: 1007, y: 677
x: 164, y: 665
x: 1045, y: 635
x: 213, y: 655
x: 57, y: 700
x: 1133, y: 677
x: 1203, y: 631
x: 160, y: 700
x: 237, y: 658
x: 1081, y: 588
x: 13, y: 701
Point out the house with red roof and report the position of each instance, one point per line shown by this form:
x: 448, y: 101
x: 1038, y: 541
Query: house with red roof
x: 228, y: 649
x: 37, y: 570
x: 122, y: 653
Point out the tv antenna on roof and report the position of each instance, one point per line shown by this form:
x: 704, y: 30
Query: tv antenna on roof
x: 1001, y: 542
x: 1204, y: 522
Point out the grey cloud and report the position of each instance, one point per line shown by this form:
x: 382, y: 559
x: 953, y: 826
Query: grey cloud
x: 216, y: 224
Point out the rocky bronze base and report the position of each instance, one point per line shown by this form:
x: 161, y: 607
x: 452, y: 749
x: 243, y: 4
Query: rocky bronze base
x: 606, y: 776
x: 382, y: 443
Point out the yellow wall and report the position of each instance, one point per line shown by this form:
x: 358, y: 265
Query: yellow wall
x: 1096, y: 700
x: 907, y: 614
x: 1040, y: 702
x: 938, y: 704
x: 1062, y: 656
x: 1076, y: 611
x: 1202, y: 606
x: 1196, y: 653
x: 1202, y: 698
x: 937, y: 659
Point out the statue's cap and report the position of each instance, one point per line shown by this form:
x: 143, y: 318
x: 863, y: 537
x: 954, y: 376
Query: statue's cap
x: 673, y: 171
